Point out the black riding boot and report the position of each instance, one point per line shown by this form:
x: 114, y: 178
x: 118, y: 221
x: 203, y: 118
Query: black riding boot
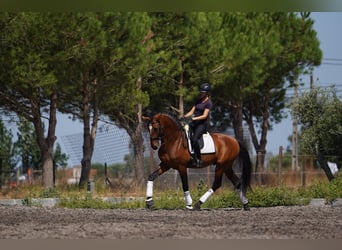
x: 197, y: 155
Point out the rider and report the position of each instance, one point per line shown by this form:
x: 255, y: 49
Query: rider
x: 200, y: 121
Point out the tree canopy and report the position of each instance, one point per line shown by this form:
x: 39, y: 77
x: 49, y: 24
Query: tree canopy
x: 320, y: 114
x: 115, y: 65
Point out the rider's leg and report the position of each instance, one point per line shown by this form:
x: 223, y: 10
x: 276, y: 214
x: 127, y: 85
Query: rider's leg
x: 198, y: 132
x: 197, y: 151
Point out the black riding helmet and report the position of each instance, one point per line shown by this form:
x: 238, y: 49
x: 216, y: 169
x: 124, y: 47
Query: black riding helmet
x: 205, y: 88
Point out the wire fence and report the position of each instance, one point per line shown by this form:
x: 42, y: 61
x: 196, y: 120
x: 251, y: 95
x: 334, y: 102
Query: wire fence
x: 304, y: 174
x: 200, y: 177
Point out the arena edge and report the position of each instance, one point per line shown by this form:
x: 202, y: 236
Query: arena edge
x: 320, y: 193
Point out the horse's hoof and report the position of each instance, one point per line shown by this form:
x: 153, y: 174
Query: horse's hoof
x: 197, y: 206
x: 149, y: 203
x: 189, y: 207
x: 246, y: 207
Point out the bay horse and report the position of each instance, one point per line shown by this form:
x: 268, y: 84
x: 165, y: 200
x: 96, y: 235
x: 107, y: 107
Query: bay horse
x: 168, y: 134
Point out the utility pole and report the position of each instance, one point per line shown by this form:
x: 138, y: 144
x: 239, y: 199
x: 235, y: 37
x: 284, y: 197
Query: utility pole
x: 295, y: 132
x: 280, y: 163
x: 311, y: 81
x: 0, y: 170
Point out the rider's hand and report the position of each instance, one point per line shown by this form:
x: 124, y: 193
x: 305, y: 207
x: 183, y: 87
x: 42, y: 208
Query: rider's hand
x: 185, y: 119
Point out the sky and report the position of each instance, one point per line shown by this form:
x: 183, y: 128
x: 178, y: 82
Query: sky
x: 329, y: 32
x: 328, y: 27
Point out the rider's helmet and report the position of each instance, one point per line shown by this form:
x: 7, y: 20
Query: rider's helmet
x: 205, y: 88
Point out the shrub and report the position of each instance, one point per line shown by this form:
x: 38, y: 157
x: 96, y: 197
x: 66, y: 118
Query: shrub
x: 328, y: 190
x: 278, y: 196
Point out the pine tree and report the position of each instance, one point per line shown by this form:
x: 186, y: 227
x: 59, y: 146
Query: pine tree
x: 28, y: 82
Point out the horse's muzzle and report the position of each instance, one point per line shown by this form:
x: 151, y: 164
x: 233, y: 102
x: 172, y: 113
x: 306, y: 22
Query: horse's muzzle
x: 154, y: 142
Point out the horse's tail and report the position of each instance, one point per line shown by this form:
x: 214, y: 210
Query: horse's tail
x: 246, y: 168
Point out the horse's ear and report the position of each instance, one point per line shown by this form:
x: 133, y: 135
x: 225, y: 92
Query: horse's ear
x: 145, y: 118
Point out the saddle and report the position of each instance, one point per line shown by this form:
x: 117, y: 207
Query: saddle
x: 206, y: 142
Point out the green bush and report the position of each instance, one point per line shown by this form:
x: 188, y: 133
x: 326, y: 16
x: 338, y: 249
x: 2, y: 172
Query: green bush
x: 278, y: 196
x: 330, y: 191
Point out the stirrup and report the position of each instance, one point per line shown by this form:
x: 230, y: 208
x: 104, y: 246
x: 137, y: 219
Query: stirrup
x: 197, y: 162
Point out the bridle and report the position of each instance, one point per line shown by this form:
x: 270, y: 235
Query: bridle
x: 151, y: 126
x: 157, y: 128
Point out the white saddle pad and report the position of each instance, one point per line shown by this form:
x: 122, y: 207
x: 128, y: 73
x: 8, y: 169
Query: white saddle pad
x: 209, y: 146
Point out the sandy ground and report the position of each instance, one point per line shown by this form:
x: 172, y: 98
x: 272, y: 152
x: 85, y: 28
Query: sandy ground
x: 297, y: 222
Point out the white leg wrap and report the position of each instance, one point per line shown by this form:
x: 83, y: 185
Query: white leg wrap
x: 243, y: 199
x: 149, y: 190
x: 205, y: 197
x: 188, y: 199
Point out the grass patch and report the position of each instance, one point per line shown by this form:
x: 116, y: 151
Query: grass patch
x: 73, y: 197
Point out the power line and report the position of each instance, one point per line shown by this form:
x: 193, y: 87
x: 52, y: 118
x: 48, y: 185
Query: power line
x: 333, y: 64
x: 331, y: 84
x: 319, y: 86
x: 333, y: 59
x: 291, y: 95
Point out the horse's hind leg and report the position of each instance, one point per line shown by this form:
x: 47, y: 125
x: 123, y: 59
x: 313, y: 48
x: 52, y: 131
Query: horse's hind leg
x: 217, y: 184
x: 236, y: 181
x: 237, y: 184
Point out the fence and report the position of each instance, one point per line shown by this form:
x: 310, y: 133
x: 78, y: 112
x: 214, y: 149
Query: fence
x: 304, y: 175
x: 198, y: 177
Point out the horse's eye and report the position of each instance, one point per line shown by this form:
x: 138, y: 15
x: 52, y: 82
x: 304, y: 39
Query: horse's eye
x: 155, y: 125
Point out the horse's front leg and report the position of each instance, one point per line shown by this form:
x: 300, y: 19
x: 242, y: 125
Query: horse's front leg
x: 183, y: 172
x: 149, y: 191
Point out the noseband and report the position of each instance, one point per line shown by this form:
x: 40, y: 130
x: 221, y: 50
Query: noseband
x: 156, y: 126
x: 159, y: 131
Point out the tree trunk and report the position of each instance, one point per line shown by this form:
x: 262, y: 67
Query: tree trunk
x: 89, y: 133
x: 264, y: 129
x: 138, y: 147
x: 259, y: 146
x: 46, y: 144
x: 138, y: 144
x: 87, y: 152
x: 47, y: 170
x: 236, y: 109
x: 180, y: 89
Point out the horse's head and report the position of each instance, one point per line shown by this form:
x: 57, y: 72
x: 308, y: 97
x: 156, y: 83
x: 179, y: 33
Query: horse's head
x: 155, y: 129
x: 160, y: 125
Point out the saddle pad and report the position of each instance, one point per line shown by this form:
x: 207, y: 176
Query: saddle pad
x: 209, y: 146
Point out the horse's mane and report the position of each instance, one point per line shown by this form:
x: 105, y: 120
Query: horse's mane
x: 179, y: 127
x: 176, y: 121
